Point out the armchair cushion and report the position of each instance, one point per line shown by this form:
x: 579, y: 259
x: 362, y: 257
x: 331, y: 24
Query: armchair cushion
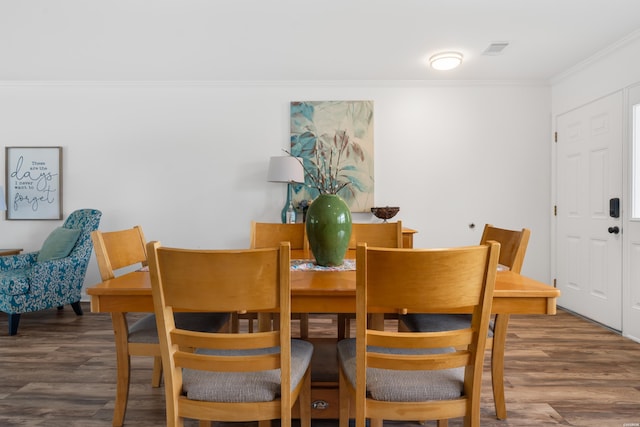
x: 59, y: 244
x: 15, y: 282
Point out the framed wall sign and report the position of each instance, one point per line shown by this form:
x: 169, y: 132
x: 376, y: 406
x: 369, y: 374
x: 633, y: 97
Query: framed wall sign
x: 34, y: 182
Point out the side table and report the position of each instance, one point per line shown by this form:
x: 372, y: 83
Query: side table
x: 4, y: 252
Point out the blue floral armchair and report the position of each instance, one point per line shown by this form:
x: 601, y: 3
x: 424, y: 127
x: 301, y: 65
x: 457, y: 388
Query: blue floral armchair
x: 27, y: 284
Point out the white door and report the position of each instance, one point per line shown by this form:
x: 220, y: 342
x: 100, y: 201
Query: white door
x: 589, y: 237
x: 631, y: 308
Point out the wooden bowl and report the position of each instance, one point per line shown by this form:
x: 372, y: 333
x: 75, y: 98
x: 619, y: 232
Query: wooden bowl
x: 386, y: 212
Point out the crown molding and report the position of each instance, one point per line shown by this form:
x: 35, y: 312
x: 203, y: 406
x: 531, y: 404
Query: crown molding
x: 270, y: 83
x: 600, y: 55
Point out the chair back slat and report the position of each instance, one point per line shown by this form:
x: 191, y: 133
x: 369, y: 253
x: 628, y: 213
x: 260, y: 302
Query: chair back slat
x: 233, y: 341
x: 455, y: 338
x: 379, y: 234
x: 119, y: 249
x: 407, y: 362
x: 202, y: 362
x: 209, y: 279
x: 513, y: 245
x: 269, y: 235
x: 428, y: 278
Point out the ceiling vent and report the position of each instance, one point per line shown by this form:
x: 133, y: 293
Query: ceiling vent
x: 495, y: 48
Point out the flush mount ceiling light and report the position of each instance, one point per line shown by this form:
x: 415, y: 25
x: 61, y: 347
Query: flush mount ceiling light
x: 445, y: 61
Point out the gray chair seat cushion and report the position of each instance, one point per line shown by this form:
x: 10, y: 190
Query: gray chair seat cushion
x: 145, y: 330
x: 403, y: 386
x: 15, y: 282
x: 259, y: 386
x: 439, y: 322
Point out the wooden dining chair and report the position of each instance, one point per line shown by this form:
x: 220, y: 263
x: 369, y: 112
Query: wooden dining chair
x: 269, y: 235
x: 378, y: 234
x: 403, y: 376
x: 229, y: 376
x: 513, y: 248
x: 124, y: 251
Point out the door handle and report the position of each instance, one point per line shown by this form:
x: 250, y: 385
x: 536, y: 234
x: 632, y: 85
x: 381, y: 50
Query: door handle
x: 614, y: 230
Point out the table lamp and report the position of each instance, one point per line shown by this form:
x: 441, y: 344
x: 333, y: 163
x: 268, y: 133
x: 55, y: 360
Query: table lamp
x: 286, y: 169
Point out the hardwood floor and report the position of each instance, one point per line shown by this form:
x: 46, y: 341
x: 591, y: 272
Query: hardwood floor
x: 560, y: 371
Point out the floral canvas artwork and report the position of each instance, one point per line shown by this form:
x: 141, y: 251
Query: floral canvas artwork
x: 335, y: 141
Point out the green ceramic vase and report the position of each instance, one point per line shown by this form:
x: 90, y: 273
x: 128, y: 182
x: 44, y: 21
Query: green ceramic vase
x: 328, y: 225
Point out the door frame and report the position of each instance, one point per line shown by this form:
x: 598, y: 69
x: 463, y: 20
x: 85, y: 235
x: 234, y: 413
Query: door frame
x: 627, y: 187
x: 625, y: 142
x: 626, y: 220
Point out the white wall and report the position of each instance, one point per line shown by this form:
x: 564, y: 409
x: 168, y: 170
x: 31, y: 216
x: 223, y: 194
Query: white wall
x: 188, y: 161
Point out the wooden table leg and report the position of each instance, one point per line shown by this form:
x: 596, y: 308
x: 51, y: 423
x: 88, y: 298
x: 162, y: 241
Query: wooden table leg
x: 376, y: 321
x: 123, y: 366
x: 266, y: 322
x: 497, y: 364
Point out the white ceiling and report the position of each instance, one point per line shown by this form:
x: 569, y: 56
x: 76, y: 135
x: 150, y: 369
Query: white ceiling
x: 303, y: 40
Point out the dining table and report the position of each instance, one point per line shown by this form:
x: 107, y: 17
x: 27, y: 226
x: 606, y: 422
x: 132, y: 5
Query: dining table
x: 327, y: 290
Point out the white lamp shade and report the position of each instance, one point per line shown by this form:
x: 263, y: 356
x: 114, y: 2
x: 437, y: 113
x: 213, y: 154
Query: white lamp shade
x: 285, y: 169
x: 3, y: 205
